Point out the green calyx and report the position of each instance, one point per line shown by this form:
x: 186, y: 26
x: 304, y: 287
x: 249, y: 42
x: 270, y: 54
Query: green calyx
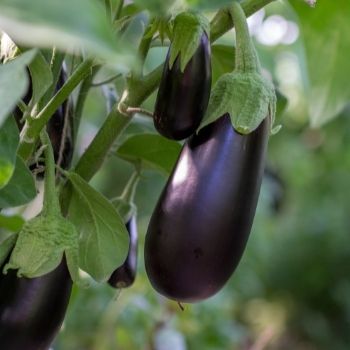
x: 245, y: 94
x: 188, y: 30
x: 161, y: 25
x: 44, y: 240
x: 125, y: 203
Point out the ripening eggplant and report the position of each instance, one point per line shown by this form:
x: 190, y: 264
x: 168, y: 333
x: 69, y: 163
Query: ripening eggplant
x: 183, y: 96
x: 124, y: 276
x: 201, y: 223
x: 32, y: 310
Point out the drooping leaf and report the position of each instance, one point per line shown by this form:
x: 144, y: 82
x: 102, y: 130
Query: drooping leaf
x: 11, y: 222
x: 20, y: 189
x: 325, y: 31
x: 66, y: 24
x: 13, y: 81
x: 104, y: 239
x: 9, y: 139
x: 152, y: 150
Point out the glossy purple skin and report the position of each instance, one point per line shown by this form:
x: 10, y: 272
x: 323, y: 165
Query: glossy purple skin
x: 183, y: 96
x: 124, y: 276
x: 201, y: 223
x: 32, y: 310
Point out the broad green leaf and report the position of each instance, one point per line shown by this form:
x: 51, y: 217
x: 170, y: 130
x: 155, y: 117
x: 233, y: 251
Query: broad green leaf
x: 9, y: 139
x: 325, y: 31
x: 104, y: 239
x: 13, y: 81
x: 153, y: 151
x: 66, y: 24
x: 222, y: 61
x: 20, y: 189
x: 12, y: 223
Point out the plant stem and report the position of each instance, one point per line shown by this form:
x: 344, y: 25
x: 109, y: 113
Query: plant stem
x: 83, y: 92
x: 51, y: 206
x: 246, y: 56
x: 119, y: 10
x: 222, y: 22
x: 130, y: 188
x: 115, y: 123
x: 33, y: 126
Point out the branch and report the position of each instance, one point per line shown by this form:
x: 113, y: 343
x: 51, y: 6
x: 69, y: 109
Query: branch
x: 222, y: 21
x: 33, y: 126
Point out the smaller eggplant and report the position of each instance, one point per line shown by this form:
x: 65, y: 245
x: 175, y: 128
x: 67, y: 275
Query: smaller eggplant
x: 183, y: 97
x: 124, y: 276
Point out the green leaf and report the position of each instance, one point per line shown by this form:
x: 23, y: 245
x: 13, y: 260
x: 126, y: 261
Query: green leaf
x: 11, y: 223
x: 325, y: 31
x: 5, y: 248
x: 188, y: 30
x: 20, y: 189
x: 66, y: 24
x: 223, y: 60
x: 9, y: 139
x: 152, y: 150
x: 13, y: 81
x: 104, y: 239
x: 41, y: 77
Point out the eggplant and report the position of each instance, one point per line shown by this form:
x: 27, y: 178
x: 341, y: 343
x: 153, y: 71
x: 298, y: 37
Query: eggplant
x: 183, y: 96
x: 32, y: 310
x: 201, y: 223
x: 124, y: 276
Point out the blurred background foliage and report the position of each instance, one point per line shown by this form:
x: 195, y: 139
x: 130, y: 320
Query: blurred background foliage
x: 292, y: 287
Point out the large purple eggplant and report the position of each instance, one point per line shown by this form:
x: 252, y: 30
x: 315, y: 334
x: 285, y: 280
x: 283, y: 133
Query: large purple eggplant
x: 183, y: 96
x: 124, y: 276
x: 201, y: 223
x: 32, y: 310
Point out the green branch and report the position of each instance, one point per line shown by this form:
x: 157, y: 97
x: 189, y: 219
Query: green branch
x: 222, y: 21
x: 33, y: 126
